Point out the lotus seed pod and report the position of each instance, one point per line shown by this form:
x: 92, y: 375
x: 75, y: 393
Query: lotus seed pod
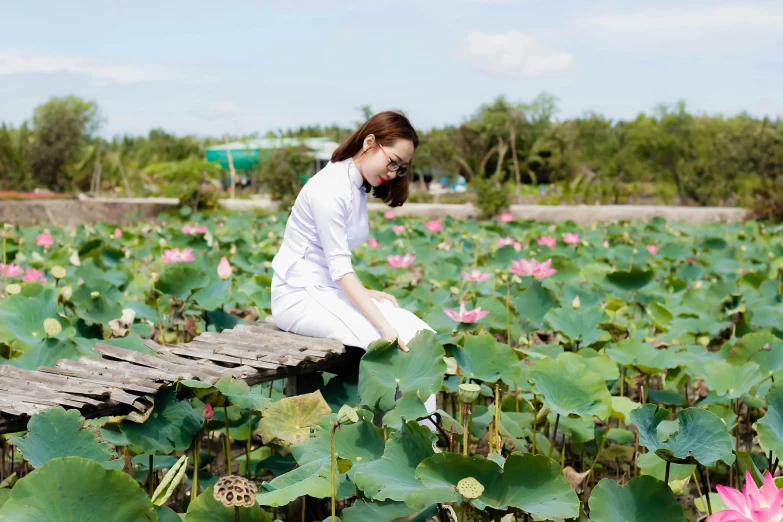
x: 52, y: 327
x: 235, y: 491
x: 347, y: 415
x: 13, y: 289
x: 95, y: 294
x: 470, y: 488
x: 469, y: 392
x: 66, y: 293
x: 58, y: 272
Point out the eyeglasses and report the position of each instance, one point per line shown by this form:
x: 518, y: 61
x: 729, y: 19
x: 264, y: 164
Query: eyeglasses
x: 392, y: 166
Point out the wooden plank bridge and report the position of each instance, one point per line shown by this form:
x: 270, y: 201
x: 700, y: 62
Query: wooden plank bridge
x: 117, y: 380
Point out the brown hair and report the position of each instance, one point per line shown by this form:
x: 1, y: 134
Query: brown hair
x: 387, y: 126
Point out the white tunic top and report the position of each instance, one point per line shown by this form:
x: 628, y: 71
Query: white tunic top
x: 328, y: 220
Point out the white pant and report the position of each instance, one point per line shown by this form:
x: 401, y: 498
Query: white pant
x: 327, y: 312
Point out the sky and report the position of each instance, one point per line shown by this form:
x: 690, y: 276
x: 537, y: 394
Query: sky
x: 241, y: 67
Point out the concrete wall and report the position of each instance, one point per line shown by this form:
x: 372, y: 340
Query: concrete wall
x: 74, y: 212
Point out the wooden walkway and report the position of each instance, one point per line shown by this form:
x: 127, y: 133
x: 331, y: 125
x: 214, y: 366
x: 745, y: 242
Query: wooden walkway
x: 119, y: 382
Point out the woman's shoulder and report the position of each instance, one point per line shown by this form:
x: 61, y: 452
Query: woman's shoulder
x: 331, y: 179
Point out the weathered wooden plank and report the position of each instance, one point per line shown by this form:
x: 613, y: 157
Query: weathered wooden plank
x: 207, y: 370
x: 120, y: 370
x: 241, y: 348
x: 76, y: 385
x: 264, y: 330
x: 15, y: 385
x: 270, y: 345
x: 165, y: 366
x: 282, y: 340
x: 94, y: 378
x: 194, y: 351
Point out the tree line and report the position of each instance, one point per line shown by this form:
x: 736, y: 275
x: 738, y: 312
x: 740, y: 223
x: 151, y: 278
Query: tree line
x: 502, y: 148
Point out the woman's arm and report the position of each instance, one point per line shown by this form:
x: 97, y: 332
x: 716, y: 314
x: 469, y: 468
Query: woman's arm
x: 359, y: 296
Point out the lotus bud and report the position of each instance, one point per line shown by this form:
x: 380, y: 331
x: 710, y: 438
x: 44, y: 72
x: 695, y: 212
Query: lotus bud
x: 209, y: 413
x: 576, y: 303
x: 74, y: 259
x: 470, y: 488
x: 66, y: 292
x: 224, y: 269
x: 542, y: 413
x: 58, y: 272
x: 13, y: 289
x: 469, y: 392
x: 52, y: 327
x: 162, y: 242
x: 454, y: 290
x: 347, y: 415
x: 235, y: 491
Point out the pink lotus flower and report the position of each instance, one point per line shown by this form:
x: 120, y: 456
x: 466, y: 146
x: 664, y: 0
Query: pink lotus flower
x: 174, y: 255
x: 209, y: 412
x: 400, y: 261
x: 547, y: 241
x: 752, y: 505
x: 117, y: 233
x: 506, y: 217
x: 434, y: 226
x: 10, y: 270
x: 476, y: 275
x: 372, y: 242
x: 31, y: 274
x: 652, y: 249
x: 398, y: 229
x: 389, y: 214
x: 193, y: 230
x: 533, y: 268
x: 224, y: 268
x: 466, y: 316
x: 44, y: 240
x: 606, y: 243
x: 505, y: 242
x: 571, y: 238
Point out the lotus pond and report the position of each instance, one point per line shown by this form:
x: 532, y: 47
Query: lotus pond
x: 615, y: 372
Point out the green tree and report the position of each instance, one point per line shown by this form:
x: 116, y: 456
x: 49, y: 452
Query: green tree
x: 60, y: 128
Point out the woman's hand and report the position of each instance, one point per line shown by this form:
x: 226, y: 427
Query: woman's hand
x: 380, y: 296
x: 390, y: 334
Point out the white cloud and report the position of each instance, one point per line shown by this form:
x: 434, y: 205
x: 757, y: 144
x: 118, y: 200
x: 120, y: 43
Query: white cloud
x: 12, y: 62
x: 513, y: 54
x: 689, y: 21
x: 221, y: 110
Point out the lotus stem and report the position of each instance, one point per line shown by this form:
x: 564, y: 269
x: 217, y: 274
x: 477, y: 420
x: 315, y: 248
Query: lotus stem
x: 333, y: 465
x: 666, y: 477
x: 497, y: 419
x: 236, y: 513
x: 554, y: 436
x: 535, y: 421
x: 508, y: 314
x: 150, y: 477
x: 600, y: 449
x: 196, y: 454
x: 696, y: 481
x: 227, y: 441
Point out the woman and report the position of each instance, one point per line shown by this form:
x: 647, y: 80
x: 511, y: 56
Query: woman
x: 315, y: 291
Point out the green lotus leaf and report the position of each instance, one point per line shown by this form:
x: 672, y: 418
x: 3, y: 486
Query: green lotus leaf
x: 22, y: 317
x: 536, y: 485
x: 652, y: 464
x: 213, y: 294
x: 622, y: 407
x: 387, y: 511
x: 703, y: 436
x: 75, y: 489
x: 314, y: 479
x: 630, y: 280
x: 730, y: 381
x: 644, y: 356
x: 770, y: 426
x: 763, y: 348
x: 289, y: 420
x: 443, y: 471
x: 181, y: 280
x: 385, y: 368
x: 409, y: 406
x: 659, y: 315
x: 578, y: 326
x: 596, y: 362
x: 166, y: 514
x: 55, y: 433
x: 533, y: 303
x: 361, y: 443
x: 570, y: 388
x: 243, y: 396
x: 392, y: 477
x: 206, y: 509
x: 483, y: 358
x: 170, y: 427
x: 643, y: 499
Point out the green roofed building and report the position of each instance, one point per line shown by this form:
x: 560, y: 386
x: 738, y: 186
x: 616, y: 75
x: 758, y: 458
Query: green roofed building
x: 249, y: 154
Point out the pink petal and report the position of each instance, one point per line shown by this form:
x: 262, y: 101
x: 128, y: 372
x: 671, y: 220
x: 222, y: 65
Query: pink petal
x: 733, y: 499
x: 452, y: 314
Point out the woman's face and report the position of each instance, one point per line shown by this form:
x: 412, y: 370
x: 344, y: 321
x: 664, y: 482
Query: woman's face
x: 377, y: 159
